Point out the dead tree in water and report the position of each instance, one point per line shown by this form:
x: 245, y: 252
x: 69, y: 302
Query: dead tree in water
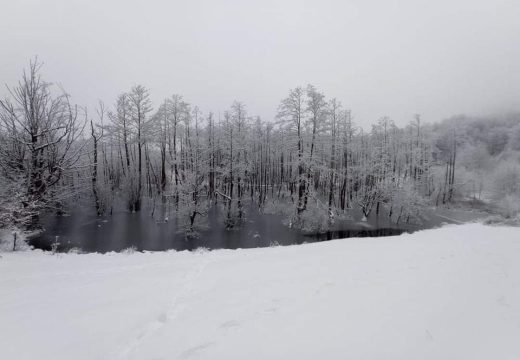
x: 291, y: 114
x: 95, y: 141
x: 140, y: 106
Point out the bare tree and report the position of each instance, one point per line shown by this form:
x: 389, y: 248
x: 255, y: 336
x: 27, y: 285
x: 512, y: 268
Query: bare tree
x: 41, y: 148
x: 291, y: 113
x: 96, y: 136
x: 140, y: 106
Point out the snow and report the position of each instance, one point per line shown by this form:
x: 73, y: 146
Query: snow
x: 7, y: 239
x: 449, y: 293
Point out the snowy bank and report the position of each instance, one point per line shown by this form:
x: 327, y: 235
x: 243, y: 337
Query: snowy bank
x: 450, y: 293
x: 14, y: 239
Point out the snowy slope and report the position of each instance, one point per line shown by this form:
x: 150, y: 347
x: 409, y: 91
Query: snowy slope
x: 450, y: 293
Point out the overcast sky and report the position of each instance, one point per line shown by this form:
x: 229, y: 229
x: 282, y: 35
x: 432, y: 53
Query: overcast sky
x: 379, y: 57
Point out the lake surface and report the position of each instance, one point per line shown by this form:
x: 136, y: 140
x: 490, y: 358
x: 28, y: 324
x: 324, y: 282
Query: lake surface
x: 83, y: 230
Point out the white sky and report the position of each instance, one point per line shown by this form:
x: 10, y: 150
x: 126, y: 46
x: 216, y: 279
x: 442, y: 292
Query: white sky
x: 379, y: 57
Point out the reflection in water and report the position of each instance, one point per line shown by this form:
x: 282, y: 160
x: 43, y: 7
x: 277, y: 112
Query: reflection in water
x: 122, y: 230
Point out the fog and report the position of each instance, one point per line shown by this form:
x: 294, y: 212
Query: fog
x: 379, y: 57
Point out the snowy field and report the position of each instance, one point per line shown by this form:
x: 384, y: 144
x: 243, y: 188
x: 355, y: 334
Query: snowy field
x: 450, y: 293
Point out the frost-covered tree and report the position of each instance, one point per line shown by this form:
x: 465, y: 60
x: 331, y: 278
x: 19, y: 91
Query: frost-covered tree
x: 312, y: 163
x: 291, y: 114
x: 192, y: 190
x: 40, y: 145
x: 139, y: 107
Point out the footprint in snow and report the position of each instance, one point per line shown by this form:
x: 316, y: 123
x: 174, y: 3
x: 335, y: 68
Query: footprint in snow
x: 229, y: 324
x: 162, y: 318
x: 187, y: 354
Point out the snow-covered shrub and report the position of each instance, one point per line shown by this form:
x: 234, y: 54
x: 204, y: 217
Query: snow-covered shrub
x: 16, y: 209
x: 75, y: 250
x: 506, y: 179
x: 129, y: 250
x: 506, y: 182
x: 201, y: 250
x: 501, y: 220
x: 274, y: 243
x: 406, y: 205
x: 7, y: 239
x: 510, y: 205
x: 54, y: 247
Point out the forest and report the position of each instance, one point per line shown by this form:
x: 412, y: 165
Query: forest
x: 312, y: 164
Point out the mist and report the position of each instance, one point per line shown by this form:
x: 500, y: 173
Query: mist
x: 380, y: 58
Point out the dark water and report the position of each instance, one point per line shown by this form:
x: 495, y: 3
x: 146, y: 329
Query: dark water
x: 83, y: 230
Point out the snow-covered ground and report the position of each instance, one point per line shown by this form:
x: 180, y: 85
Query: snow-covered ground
x: 450, y: 293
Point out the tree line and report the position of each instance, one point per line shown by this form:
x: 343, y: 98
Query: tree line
x: 312, y: 163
